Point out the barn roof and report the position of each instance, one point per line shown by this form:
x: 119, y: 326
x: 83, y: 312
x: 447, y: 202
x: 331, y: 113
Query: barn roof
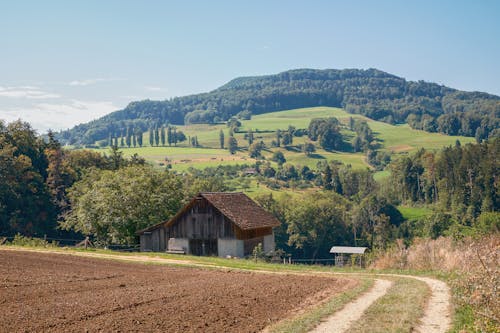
x: 236, y: 206
x: 242, y: 210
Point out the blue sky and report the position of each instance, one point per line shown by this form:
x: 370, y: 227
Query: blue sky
x: 66, y: 62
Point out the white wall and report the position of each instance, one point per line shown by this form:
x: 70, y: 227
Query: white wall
x: 178, y: 243
x: 269, y: 244
x: 230, y: 247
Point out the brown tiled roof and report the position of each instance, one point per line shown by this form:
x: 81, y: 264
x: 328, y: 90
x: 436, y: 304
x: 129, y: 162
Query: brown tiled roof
x: 242, y: 210
x: 236, y: 206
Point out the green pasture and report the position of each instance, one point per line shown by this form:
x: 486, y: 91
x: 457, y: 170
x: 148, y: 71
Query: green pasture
x: 414, y: 213
x: 397, y: 139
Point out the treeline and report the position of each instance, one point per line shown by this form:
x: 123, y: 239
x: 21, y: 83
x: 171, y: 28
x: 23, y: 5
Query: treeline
x: 133, y: 137
x: 47, y: 190
x: 373, y: 93
x: 35, y: 176
x: 461, y: 182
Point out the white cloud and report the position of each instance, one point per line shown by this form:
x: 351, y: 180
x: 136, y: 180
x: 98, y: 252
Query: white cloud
x: 56, y: 116
x: 153, y: 88
x: 27, y: 92
x: 88, y: 82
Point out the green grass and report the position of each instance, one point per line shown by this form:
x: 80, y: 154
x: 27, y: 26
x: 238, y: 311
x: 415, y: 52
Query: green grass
x: 414, y: 213
x: 398, y: 139
x: 397, y: 311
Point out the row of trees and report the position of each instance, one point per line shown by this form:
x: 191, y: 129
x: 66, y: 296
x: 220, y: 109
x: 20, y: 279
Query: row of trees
x: 169, y: 135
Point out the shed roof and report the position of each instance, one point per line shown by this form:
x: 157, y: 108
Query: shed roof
x: 348, y: 249
x: 236, y: 206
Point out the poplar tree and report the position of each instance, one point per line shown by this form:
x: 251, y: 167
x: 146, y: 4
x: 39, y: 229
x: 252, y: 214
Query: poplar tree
x: 162, y: 136
x: 250, y: 137
x: 151, y: 136
x: 169, y: 136
x: 232, y: 144
x: 139, y: 137
x: 221, y: 139
x: 128, y: 137
x: 157, y: 136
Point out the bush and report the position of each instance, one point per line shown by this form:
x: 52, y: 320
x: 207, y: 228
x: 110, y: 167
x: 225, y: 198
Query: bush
x: 20, y: 240
x: 475, y: 267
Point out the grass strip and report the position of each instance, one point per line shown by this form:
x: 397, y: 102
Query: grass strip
x: 397, y: 311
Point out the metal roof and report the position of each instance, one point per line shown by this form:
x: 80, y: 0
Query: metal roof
x: 348, y: 249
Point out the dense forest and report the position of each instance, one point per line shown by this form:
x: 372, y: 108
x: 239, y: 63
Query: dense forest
x: 373, y: 93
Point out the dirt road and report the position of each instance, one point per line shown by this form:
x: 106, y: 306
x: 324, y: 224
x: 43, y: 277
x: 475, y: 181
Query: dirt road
x: 343, y: 319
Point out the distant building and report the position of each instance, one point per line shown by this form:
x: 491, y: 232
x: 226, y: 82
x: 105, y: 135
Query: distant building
x: 249, y: 172
x: 218, y: 224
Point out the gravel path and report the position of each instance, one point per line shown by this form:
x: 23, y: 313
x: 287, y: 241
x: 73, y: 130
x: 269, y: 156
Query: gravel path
x: 437, y: 317
x: 343, y: 319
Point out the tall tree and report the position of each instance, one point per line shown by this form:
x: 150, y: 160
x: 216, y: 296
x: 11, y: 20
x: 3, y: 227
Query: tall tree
x: 221, y: 139
x: 157, y: 136
x: 138, y: 134
x: 162, y: 136
x: 250, y: 137
x: 232, y: 145
x: 151, y: 137
x: 128, y: 137
x: 170, y: 138
x: 315, y: 222
x: 95, y: 210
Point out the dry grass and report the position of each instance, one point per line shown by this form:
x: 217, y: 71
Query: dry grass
x: 474, y: 267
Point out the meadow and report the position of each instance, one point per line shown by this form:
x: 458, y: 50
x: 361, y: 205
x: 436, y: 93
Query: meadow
x: 397, y: 139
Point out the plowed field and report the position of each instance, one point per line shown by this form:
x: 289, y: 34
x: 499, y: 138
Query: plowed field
x: 42, y: 292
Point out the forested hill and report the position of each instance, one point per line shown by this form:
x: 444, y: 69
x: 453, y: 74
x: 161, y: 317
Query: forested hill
x: 373, y: 93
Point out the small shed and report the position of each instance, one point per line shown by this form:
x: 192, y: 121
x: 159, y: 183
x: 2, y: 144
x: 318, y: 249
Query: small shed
x: 213, y: 223
x: 343, y: 253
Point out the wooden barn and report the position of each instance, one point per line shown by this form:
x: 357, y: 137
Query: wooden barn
x: 213, y: 224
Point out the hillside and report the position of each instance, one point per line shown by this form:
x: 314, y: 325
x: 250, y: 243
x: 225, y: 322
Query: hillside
x: 391, y: 138
x: 372, y: 93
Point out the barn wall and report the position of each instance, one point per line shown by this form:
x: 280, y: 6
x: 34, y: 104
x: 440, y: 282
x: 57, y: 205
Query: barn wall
x: 202, y: 221
x: 155, y: 238
x: 230, y: 247
x: 269, y: 244
x: 145, y: 240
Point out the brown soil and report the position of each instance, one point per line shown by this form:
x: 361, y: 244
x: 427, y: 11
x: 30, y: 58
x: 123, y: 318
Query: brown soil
x: 400, y: 148
x: 42, y: 292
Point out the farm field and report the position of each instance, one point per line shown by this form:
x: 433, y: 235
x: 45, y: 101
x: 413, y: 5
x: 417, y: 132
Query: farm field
x: 53, y: 293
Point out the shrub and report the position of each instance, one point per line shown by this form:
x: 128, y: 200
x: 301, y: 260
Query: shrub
x: 20, y: 240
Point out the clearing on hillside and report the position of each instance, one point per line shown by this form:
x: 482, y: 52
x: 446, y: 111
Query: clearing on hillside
x: 41, y: 292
